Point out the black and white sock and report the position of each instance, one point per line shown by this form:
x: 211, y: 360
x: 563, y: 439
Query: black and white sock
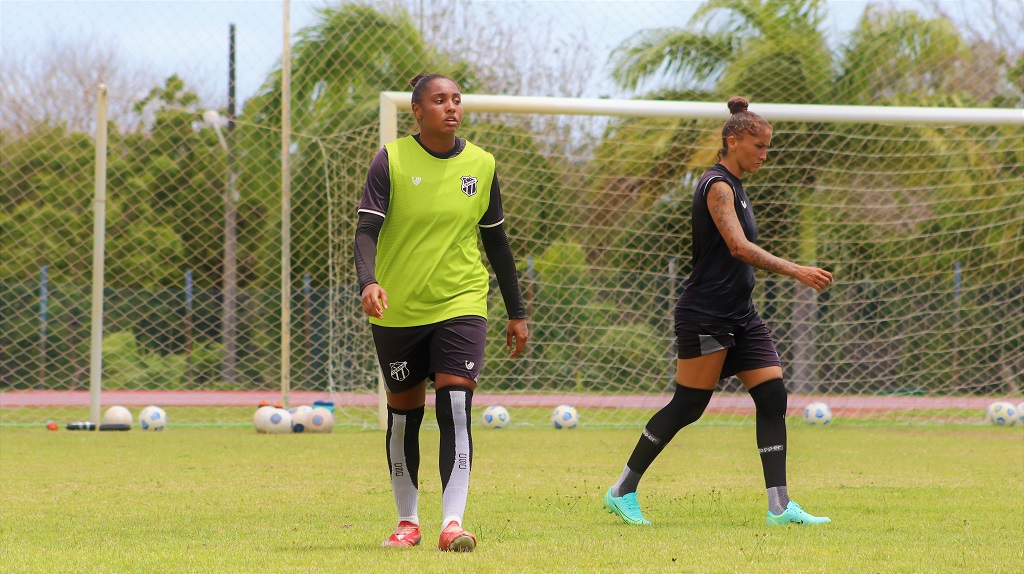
x: 454, y: 404
x: 403, y: 447
x: 686, y: 406
x: 770, y: 400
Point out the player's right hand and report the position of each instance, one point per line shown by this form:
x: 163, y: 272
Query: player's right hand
x: 375, y: 300
x: 814, y: 277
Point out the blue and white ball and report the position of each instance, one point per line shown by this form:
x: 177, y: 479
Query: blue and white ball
x: 817, y: 414
x: 300, y: 417
x: 565, y: 417
x: 279, y: 422
x: 321, y: 420
x: 1020, y: 414
x: 259, y: 419
x: 153, y: 418
x: 1002, y: 414
x: 496, y: 417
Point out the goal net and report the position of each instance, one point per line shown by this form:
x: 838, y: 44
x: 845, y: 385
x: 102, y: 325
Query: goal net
x: 918, y: 213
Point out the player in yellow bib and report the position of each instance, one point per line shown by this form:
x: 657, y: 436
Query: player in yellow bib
x: 424, y: 287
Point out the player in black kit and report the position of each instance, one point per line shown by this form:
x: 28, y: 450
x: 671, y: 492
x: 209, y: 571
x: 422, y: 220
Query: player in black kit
x: 718, y: 332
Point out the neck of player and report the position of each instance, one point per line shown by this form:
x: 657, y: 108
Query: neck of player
x: 437, y: 143
x: 733, y: 166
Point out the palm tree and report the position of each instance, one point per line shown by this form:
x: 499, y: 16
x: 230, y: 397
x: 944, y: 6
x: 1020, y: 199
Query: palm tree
x: 736, y: 45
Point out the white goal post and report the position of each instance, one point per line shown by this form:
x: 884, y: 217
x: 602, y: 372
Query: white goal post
x: 392, y: 102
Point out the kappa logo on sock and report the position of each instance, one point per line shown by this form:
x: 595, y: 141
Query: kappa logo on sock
x: 652, y: 438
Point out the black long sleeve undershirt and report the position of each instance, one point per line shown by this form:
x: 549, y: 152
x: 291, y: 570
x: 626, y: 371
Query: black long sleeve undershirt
x: 365, y: 247
x: 499, y: 253
x: 496, y: 246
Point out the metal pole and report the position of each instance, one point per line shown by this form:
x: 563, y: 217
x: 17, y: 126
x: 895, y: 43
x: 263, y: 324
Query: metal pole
x: 286, y: 208
x: 388, y: 133
x: 44, y: 300
x: 98, y: 241
x: 229, y: 320
x: 189, y: 323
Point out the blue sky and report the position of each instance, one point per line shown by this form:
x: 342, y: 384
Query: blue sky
x: 190, y: 37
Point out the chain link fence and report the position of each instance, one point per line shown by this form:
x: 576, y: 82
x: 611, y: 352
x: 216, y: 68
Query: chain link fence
x: 921, y: 225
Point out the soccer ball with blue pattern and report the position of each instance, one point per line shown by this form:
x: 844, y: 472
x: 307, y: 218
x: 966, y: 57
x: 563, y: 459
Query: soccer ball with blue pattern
x: 565, y: 417
x: 300, y: 417
x: 279, y: 422
x: 153, y: 418
x: 817, y: 414
x: 1002, y: 414
x: 321, y: 420
x: 496, y: 417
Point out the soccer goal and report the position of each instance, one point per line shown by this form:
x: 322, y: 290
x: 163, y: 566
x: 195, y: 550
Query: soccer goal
x: 918, y: 212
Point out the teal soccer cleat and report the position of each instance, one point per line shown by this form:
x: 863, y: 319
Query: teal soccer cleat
x: 794, y: 515
x: 626, y: 507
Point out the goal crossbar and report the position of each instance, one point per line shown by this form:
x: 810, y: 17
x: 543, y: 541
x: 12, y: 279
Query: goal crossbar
x: 391, y: 102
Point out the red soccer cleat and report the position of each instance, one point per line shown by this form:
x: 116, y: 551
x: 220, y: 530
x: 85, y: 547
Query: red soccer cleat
x: 407, y: 534
x: 455, y: 539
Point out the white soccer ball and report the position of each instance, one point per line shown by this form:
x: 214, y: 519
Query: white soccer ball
x: 279, y: 422
x: 321, y: 420
x: 117, y: 415
x: 153, y: 418
x: 300, y: 417
x: 496, y: 417
x: 259, y: 420
x: 1002, y: 414
x: 817, y: 414
x: 565, y: 417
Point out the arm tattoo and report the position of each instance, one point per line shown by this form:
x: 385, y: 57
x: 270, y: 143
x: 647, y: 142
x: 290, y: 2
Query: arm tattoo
x: 723, y: 212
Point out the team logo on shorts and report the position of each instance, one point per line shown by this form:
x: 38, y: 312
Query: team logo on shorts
x: 400, y: 370
x: 469, y: 185
x: 470, y: 365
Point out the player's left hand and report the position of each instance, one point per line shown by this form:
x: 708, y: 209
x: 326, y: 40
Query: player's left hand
x: 515, y: 337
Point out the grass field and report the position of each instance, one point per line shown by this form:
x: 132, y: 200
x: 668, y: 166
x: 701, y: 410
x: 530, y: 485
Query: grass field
x: 902, y: 499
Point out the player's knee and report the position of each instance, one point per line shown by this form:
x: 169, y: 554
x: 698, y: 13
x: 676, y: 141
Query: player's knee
x: 688, y: 404
x: 770, y: 397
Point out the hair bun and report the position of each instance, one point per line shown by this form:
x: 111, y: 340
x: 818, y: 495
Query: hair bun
x: 416, y: 80
x: 737, y: 105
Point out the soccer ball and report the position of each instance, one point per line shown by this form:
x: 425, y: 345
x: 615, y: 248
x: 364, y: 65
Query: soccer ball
x: 565, y: 417
x: 300, y: 417
x: 321, y: 420
x: 496, y: 417
x: 279, y: 422
x: 117, y: 415
x: 1001, y: 414
x: 1020, y: 414
x: 259, y: 420
x: 817, y: 414
x: 153, y: 418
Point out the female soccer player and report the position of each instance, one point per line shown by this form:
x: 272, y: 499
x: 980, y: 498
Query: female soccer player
x: 425, y: 289
x: 718, y: 332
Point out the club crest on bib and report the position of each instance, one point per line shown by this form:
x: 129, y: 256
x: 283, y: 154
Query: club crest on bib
x: 469, y: 185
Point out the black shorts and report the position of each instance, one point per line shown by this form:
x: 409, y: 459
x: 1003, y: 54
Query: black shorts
x: 748, y: 345
x: 408, y: 355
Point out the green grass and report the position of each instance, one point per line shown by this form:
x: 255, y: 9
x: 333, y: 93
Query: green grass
x: 195, y: 499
